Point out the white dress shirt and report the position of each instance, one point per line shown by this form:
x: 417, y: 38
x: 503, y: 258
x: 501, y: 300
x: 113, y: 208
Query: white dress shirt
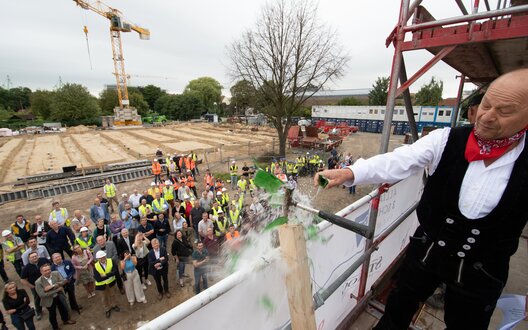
x: 481, y: 188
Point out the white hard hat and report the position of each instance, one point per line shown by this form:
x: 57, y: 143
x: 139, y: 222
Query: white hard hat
x: 233, y: 162
x: 186, y: 196
x: 155, y: 159
x: 100, y: 254
x: 188, y: 170
x: 83, y: 229
x: 224, y: 189
x: 220, y: 211
x: 6, y: 233
x: 167, y: 182
x: 124, y: 195
x: 153, y: 183
x: 219, y: 193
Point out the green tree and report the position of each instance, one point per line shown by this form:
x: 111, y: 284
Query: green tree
x: 207, y: 89
x: 41, y: 103
x: 243, y: 96
x: 349, y: 101
x: 5, y: 114
x: 73, y: 103
x: 179, y: 106
x: 431, y: 93
x: 151, y: 94
x: 108, y: 101
x: 288, y: 56
x: 15, y: 98
x: 379, y: 92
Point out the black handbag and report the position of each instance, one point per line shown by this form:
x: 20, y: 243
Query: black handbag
x: 27, y: 313
x: 123, y: 276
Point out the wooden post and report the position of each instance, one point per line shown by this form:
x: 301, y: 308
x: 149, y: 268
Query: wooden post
x: 298, y: 282
x: 206, y: 161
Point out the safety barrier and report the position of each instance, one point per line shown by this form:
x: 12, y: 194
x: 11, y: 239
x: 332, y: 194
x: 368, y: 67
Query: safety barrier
x: 76, y: 184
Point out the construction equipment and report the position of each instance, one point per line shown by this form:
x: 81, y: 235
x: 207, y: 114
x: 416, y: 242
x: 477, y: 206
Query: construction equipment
x: 124, y: 113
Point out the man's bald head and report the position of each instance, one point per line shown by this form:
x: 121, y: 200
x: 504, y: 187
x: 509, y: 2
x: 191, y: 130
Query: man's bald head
x: 504, y: 108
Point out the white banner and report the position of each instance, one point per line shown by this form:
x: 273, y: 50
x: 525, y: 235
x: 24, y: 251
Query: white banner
x: 260, y: 301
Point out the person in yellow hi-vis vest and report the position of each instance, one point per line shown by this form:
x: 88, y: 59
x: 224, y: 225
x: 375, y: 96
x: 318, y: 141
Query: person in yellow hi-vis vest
x: 59, y: 214
x: 105, y: 272
x: 233, y: 172
x: 13, y: 248
x: 110, y: 192
x: 242, y: 184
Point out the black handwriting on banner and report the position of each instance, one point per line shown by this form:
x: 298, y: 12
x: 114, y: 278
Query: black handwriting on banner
x: 375, y: 264
x: 349, y: 285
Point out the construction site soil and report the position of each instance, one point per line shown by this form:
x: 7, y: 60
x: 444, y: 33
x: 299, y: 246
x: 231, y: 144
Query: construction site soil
x: 20, y: 157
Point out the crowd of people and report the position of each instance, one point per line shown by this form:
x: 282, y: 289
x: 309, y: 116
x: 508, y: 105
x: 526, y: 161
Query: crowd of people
x: 125, y: 241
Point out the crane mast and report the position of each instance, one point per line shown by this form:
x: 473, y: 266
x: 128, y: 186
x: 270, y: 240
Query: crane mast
x: 124, y: 114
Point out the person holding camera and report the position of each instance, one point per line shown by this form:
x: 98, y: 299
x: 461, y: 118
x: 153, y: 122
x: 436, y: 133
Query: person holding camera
x: 39, y: 230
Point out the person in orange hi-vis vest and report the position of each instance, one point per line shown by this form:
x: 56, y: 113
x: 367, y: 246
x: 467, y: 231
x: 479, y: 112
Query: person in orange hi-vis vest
x: 156, y: 170
x: 191, y: 183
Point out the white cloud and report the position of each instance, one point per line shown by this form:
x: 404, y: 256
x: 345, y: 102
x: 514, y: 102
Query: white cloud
x: 42, y: 40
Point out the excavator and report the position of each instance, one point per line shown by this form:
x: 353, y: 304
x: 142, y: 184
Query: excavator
x: 124, y: 113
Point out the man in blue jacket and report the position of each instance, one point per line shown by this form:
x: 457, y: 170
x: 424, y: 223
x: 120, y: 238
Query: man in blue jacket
x: 67, y: 270
x: 99, y: 210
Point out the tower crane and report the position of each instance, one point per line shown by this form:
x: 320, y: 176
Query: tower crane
x: 124, y: 114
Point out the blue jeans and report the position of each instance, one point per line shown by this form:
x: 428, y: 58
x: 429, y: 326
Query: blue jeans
x: 181, y: 269
x: 162, y: 240
x: 18, y: 322
x: 234, y: 181
x: 200, y: 273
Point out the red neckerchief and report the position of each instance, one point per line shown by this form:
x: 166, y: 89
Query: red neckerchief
x: 480, y: 149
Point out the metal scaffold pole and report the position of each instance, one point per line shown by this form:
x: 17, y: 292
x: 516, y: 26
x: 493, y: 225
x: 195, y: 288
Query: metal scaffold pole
x: 395, y: 72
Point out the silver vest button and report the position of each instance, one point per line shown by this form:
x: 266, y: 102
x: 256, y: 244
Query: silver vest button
x: 466, y: 247
x: 471, y: 240
x: 450, y: 221
x: 441, y: 243
x: 461, y: 254
x: 475, y: 232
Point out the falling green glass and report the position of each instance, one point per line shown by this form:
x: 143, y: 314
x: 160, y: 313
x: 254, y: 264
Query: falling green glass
x: 265, y: 301
x: 267, y: 181
x: 312, y: 232
x: 275, y: 223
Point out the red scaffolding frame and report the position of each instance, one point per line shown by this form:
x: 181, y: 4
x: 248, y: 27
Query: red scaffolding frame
x: 480, y: 45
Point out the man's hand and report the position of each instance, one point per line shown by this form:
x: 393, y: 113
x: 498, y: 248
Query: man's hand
x: 335, y: 177
x: 49, y: 288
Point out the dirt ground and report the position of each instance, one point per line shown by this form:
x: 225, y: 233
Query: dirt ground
x: 82, y: 146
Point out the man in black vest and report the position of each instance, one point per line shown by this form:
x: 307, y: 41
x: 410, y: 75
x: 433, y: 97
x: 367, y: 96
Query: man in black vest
x: 472, y: 211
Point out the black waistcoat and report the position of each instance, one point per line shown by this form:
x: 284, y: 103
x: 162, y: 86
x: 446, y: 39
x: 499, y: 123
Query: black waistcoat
x: 494, y: 237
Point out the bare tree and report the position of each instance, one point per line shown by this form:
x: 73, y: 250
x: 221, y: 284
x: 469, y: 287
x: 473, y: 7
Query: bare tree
x: 288, y: 56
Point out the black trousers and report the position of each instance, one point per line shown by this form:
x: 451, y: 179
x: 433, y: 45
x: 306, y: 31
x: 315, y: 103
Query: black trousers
x: 469, y: 303
x: 158, y: 276
x: 58, y: 302
x: 142, y: 268
x: 3, y: 273
x: 36, y: 299
x: 70, y: 290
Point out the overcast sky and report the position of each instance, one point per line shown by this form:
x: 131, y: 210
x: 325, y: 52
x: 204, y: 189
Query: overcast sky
x: 42, y: 40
